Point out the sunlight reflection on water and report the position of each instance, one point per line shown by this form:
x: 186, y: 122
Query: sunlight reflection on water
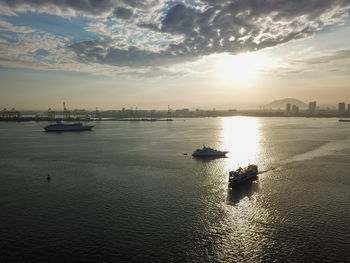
x: 241, y: 137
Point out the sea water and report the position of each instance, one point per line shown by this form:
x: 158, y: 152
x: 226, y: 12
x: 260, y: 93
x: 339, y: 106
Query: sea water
x: 126, y: 191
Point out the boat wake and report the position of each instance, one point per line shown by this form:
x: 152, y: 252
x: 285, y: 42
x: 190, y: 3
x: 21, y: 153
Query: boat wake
x: 268, y: 170
x: 326, y: 149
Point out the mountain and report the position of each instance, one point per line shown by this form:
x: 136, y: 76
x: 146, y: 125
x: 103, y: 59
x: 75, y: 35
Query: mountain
x: 281, y: 104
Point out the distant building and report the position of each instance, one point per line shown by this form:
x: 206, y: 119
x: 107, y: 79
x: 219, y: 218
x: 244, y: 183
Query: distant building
x: 182, y: 111
x: 288, y: 108
x: 295, y: 109
x: 341, y: 107
x: 312, y: 107
x: 348, y: 107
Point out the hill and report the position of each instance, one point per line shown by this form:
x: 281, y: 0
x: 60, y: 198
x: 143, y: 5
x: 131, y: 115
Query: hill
x: 281, y: 104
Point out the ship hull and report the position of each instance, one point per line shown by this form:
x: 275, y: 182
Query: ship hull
x: 245, y: 181
x: 68, y: 129
x: 222, y: 154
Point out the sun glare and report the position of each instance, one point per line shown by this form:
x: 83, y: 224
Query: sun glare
x: 242, y: 68
x: 241, y: 137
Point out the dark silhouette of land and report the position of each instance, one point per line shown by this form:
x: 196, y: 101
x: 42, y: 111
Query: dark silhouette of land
x: 115, y: 115
x: 279, y: 108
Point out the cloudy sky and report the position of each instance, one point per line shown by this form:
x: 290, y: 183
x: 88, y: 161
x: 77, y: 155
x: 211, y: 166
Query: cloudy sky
x: 151, y: 53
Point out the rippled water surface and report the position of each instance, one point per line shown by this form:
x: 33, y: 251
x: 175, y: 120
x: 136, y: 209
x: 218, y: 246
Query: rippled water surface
x: 126, y: 192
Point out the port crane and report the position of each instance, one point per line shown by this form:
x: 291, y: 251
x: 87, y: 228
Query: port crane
x: 168, y: 114
x: 50, y: 114
x: 10, y: 114
x: 66, y: 113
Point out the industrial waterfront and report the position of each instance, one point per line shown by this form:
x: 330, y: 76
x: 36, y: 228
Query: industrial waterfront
x: 135, y: 114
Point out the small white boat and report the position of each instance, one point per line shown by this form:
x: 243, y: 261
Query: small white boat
x: 208, y: 152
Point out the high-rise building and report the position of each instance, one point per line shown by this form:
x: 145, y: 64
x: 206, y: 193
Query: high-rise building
x: 288, y: 108
x: 341, y: 107
x: 312, y: 107
x: 295, y: 109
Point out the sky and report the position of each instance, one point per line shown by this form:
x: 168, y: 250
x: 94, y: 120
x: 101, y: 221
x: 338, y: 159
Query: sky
x: 188, y: 54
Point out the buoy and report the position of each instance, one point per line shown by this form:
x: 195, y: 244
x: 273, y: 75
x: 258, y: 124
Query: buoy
x: 48, y: 177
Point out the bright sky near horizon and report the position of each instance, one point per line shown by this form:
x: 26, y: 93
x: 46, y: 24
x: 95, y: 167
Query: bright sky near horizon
x: 191, y: 53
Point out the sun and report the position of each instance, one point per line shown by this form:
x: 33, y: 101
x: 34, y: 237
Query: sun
x: 243, y: 68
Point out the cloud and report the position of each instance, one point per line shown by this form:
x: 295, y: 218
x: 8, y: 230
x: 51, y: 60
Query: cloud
x: 29, y: 45
x: 123, y: 13
x: 221, y: 26
x: 45, y: 51
x: 6, y: 11
x: 6, y: 26
x: 331, y: 56
x: 104, y: 51
x: 73, y: 7
x: 337, y: 60
x: 153, y: 33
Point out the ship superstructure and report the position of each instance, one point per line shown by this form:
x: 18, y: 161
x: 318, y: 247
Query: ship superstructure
x: 208, y: 152
x: 243, y: 175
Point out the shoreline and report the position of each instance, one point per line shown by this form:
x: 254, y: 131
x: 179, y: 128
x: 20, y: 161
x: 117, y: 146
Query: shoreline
x: 342, y: 118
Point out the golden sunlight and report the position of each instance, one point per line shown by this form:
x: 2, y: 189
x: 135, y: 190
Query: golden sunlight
x: 241, y: 137
x: 242, y: 68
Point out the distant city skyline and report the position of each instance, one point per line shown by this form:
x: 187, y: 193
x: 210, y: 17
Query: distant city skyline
x: 189, y: 54
x: 311, y: 106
